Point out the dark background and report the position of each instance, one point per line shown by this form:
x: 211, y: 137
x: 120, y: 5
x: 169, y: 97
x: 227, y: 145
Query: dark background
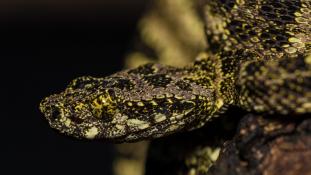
x: 44, y: 45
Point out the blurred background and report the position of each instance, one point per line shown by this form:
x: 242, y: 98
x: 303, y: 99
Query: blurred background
x: 44, y: 45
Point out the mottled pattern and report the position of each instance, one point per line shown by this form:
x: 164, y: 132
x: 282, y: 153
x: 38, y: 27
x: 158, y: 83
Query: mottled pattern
x: 257, y: 59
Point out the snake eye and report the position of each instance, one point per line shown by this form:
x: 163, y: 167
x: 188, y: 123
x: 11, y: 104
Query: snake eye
x: 55, y: 114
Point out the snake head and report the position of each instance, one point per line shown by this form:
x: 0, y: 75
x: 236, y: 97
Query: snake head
x: 150, y: 101
x: 84, y: 110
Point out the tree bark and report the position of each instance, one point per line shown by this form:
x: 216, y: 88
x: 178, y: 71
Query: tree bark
x: 253, y: 145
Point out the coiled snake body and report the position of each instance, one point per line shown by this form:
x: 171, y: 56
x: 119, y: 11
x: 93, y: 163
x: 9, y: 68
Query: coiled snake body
x: 258, y: 59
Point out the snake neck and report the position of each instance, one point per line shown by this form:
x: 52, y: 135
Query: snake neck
x: 220, y: 73
x: 214, y: 72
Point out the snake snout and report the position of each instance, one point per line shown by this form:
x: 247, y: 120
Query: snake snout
x: 49, y: 108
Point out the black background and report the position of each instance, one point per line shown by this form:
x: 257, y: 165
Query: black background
x: 44, y: 45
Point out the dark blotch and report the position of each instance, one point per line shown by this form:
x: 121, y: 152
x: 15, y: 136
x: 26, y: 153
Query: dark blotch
x: 272, y: 10
x: 83, y: 82
x: 146, y: 69
x: 124, y: 84
x: 106, y: 118
x: 292, y: 65
x: 241, y: 30
x: 158, y: 80
x: 76, y: 119
x: 277, y: 13
x: 230, y: 60
x: 228, y: 4
x: 182, y: 106
x: 254, y: 67
x: 183, y: 85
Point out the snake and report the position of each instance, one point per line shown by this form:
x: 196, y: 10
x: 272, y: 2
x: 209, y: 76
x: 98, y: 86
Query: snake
x: 258, y: 59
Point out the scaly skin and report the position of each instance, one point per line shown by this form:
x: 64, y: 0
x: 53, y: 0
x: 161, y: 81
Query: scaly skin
x: 257, y: 59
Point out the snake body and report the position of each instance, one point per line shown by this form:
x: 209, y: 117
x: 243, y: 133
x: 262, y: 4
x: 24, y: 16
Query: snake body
x: 258, y: 58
